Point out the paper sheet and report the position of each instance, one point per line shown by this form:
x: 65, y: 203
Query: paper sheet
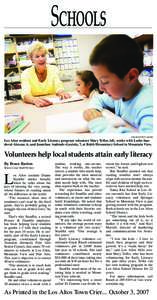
x: 74, y: 122
x: 74, y: 97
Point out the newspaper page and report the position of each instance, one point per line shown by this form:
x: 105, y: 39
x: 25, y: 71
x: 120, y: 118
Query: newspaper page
x: 78, y: 160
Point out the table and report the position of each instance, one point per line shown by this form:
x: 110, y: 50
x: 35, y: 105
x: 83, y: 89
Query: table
x: 36, y: 116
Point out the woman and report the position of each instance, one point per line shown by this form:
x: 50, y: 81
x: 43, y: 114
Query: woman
x: 40, y: 79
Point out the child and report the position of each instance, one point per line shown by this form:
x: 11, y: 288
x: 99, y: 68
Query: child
x: 117, y: 62
x: 87, y: 84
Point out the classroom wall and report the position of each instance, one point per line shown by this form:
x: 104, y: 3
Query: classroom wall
x: 85, y: 44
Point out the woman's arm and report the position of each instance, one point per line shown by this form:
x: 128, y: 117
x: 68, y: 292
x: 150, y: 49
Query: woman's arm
x: 37, y: 101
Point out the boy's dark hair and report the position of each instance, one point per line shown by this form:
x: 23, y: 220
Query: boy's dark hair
x: 88, y: 76
x: 119, y: 53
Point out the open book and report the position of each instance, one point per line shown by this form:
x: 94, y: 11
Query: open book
x: 74, y: 97
x: 14, y: 123
x: 74, y: 122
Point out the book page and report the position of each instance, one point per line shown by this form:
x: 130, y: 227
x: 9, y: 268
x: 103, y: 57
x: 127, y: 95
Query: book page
x: 74, y: 122
x: 74, y: 97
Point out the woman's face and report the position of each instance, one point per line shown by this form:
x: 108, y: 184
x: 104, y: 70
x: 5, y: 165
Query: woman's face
x: 39, y: 59
x: 81, y: 87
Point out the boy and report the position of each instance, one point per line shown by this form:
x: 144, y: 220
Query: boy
x: 117, y: 62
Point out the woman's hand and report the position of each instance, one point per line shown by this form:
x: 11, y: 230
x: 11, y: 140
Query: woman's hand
x: 91, y: 114
x: 41, y: 102
x: 37, y: 101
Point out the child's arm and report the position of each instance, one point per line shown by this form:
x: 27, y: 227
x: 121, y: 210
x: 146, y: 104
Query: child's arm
x: 101, y: 125
x: 99, y: 102
x: 144, y: 118
x: 96, y: 122
x: 146, y: 124
x: 92, y: 113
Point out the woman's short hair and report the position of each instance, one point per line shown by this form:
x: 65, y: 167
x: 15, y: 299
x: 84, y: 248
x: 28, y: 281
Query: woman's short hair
x: 36, y: 46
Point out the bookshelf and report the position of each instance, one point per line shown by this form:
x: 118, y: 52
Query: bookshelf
x: 146, y: 43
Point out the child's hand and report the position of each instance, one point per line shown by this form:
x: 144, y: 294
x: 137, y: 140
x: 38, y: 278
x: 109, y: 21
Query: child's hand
x: 91, y: 114
x: 63, y: 95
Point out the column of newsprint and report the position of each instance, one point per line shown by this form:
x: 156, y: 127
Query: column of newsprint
x: 78, y: 216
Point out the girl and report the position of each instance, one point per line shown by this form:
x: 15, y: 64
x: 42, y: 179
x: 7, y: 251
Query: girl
x: 87, y: 84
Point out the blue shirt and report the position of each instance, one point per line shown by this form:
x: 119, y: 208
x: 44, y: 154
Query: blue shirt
x: 137, y: 111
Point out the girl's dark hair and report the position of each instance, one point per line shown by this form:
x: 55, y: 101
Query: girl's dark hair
x: 119, y: 53
x: 88, y: 76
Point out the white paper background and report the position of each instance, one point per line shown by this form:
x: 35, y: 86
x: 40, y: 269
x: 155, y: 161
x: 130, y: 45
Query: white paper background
x: 34, y: 16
